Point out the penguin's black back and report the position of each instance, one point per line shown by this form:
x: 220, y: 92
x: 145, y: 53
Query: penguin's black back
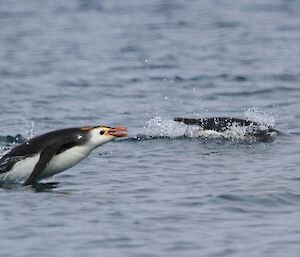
x: 219, y: 124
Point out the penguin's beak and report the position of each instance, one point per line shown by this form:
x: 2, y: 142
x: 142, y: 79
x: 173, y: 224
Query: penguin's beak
x: 117, y: 132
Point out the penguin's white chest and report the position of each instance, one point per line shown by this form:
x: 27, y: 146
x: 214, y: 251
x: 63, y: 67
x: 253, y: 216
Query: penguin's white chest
x: 58, y: 163
x: 65, y: 160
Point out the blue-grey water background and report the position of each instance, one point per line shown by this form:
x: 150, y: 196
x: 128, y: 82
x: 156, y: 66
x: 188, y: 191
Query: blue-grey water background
x: 139, y: 63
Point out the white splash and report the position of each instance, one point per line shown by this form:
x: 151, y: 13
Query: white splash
x: 161, y: 127
x: 264, y: 119
x: 236, y: 132
x: 30, y: 129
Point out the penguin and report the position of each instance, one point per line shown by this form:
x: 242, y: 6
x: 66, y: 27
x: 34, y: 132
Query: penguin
x: 51, y: 153
x: 219, y: 125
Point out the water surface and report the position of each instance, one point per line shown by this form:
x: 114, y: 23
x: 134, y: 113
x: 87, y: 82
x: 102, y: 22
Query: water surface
x: 139, y: 64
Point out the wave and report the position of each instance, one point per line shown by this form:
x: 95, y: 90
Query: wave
x: 17, y: 139
x: 159, y: 128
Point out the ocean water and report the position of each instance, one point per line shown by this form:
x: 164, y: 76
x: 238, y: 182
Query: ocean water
x: 139, y: 64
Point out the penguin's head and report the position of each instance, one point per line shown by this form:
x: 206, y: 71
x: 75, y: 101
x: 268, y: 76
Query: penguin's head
x: 102, y: 134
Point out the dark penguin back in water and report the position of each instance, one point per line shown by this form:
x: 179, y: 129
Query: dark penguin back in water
x: 222, y: 124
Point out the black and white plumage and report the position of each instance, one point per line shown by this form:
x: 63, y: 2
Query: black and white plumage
x: 48, y: 154
x: 221, y: 125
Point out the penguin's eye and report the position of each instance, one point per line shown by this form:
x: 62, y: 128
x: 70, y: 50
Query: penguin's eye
x: 102, y: 132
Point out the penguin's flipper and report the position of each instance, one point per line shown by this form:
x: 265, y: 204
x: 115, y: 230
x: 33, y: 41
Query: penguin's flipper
x: 45, y: 157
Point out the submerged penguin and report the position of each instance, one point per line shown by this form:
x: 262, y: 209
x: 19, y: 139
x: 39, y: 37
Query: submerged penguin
x: 221, y: 125
x: 48, y: 154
